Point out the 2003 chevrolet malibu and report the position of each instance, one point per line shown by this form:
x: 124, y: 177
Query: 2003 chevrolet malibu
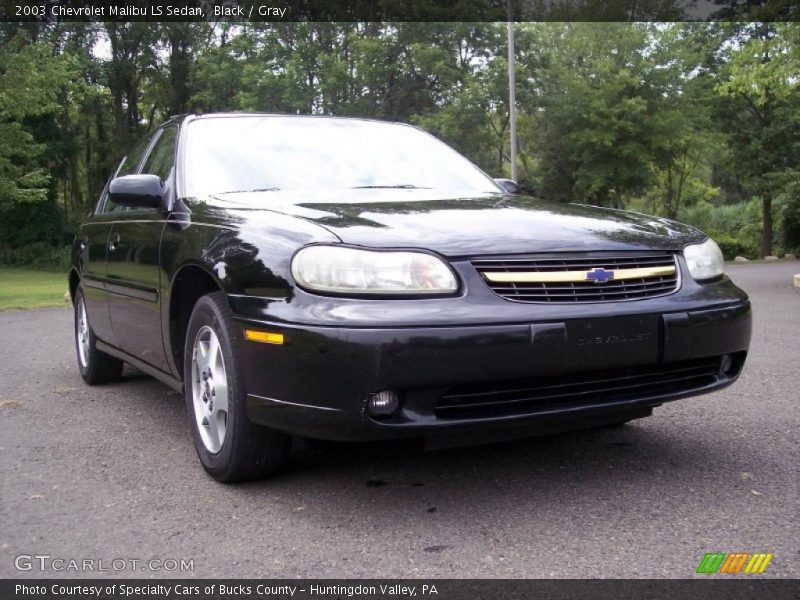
x: 347, y: 279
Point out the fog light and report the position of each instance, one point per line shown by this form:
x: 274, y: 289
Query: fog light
x: 726, y: 365
x: 383, y: 404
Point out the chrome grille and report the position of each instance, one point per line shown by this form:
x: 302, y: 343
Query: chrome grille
x: 579, y: 291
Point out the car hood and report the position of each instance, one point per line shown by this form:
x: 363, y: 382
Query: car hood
x: 466, y: 226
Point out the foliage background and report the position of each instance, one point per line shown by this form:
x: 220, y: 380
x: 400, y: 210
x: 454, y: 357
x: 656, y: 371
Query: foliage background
x: 693, y: 121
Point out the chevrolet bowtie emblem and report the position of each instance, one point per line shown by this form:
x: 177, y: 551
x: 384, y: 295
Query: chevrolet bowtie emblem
x: 599, y: 275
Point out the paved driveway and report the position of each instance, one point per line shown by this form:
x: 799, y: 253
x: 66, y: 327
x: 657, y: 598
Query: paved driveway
x: 110, y: 472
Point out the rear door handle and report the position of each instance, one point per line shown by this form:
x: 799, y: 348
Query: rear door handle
x: 83, y: 241
x: 113, y: 240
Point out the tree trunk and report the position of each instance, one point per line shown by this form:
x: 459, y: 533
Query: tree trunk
x: 179, y: 70
x: 766, y: 239
x: 669, y: 208
x: 117, y: 84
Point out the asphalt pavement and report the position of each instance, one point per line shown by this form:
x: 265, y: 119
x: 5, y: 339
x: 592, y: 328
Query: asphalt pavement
x: 109, y: 473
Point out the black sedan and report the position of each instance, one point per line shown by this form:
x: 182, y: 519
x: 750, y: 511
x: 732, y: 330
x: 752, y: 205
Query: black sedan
x: 348, y: 279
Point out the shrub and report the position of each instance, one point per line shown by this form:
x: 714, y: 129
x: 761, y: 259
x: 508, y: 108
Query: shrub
x: 39, y: 255
x: 790, y: 229
x: 730, y: 246
x: 25, y: 224
x: 735, y: 227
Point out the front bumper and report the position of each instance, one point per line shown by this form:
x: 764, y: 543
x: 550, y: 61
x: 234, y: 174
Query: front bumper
x: 614, y: 366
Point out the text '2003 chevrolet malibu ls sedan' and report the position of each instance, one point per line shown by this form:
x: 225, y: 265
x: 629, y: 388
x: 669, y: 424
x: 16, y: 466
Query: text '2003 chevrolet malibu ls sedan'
x: 348, y: 279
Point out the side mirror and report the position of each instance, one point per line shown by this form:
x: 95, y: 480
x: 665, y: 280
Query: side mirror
x: 137, y: 191
x: 509, y: 185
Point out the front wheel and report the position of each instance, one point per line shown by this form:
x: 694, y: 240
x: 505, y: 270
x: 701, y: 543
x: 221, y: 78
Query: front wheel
x: 95, y: 366
x: 230, y: 447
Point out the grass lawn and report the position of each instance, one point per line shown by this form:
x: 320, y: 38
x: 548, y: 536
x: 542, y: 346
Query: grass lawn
x: 31, y: 289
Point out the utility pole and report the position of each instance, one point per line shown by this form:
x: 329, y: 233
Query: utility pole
x: 512, y: 92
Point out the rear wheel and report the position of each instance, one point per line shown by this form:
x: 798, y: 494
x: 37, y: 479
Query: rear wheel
x: 230, y: 447
x: 95, y: 366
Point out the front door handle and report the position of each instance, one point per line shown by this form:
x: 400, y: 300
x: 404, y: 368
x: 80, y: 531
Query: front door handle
x: 113, y: 241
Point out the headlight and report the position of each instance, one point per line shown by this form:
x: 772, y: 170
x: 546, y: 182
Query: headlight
x: 704, y: 260
x: 342, y: 270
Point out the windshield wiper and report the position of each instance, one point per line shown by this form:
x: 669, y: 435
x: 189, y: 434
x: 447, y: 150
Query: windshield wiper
x: 272, y: 189
x: 402, y: 186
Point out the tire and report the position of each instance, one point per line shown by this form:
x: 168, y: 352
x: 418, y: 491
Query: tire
x: 616, y: 425
x: 95, y: 366
x: 621, y: 423
x: 230, y: 447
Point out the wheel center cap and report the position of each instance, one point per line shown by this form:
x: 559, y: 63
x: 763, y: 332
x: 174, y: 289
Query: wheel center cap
x: 208, y: 392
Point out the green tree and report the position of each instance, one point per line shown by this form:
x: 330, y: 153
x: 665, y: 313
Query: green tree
x: 133, y: 50
x: 597, y: 105
x: 31, y: 84
x: 760, y: 82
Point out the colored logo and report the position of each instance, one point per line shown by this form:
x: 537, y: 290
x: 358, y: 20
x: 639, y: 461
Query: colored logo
x: 735, y: 562
x: 599, y: 275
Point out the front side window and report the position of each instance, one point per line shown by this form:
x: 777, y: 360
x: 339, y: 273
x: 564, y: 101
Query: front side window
x: 126, y: 167
x: 161, y: 159
x: 254, y: 153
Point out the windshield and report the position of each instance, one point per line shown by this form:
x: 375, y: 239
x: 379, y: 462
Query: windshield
x: 265, y: 153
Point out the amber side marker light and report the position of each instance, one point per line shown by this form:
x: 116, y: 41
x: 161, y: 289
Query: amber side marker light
x: 265, y: 337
